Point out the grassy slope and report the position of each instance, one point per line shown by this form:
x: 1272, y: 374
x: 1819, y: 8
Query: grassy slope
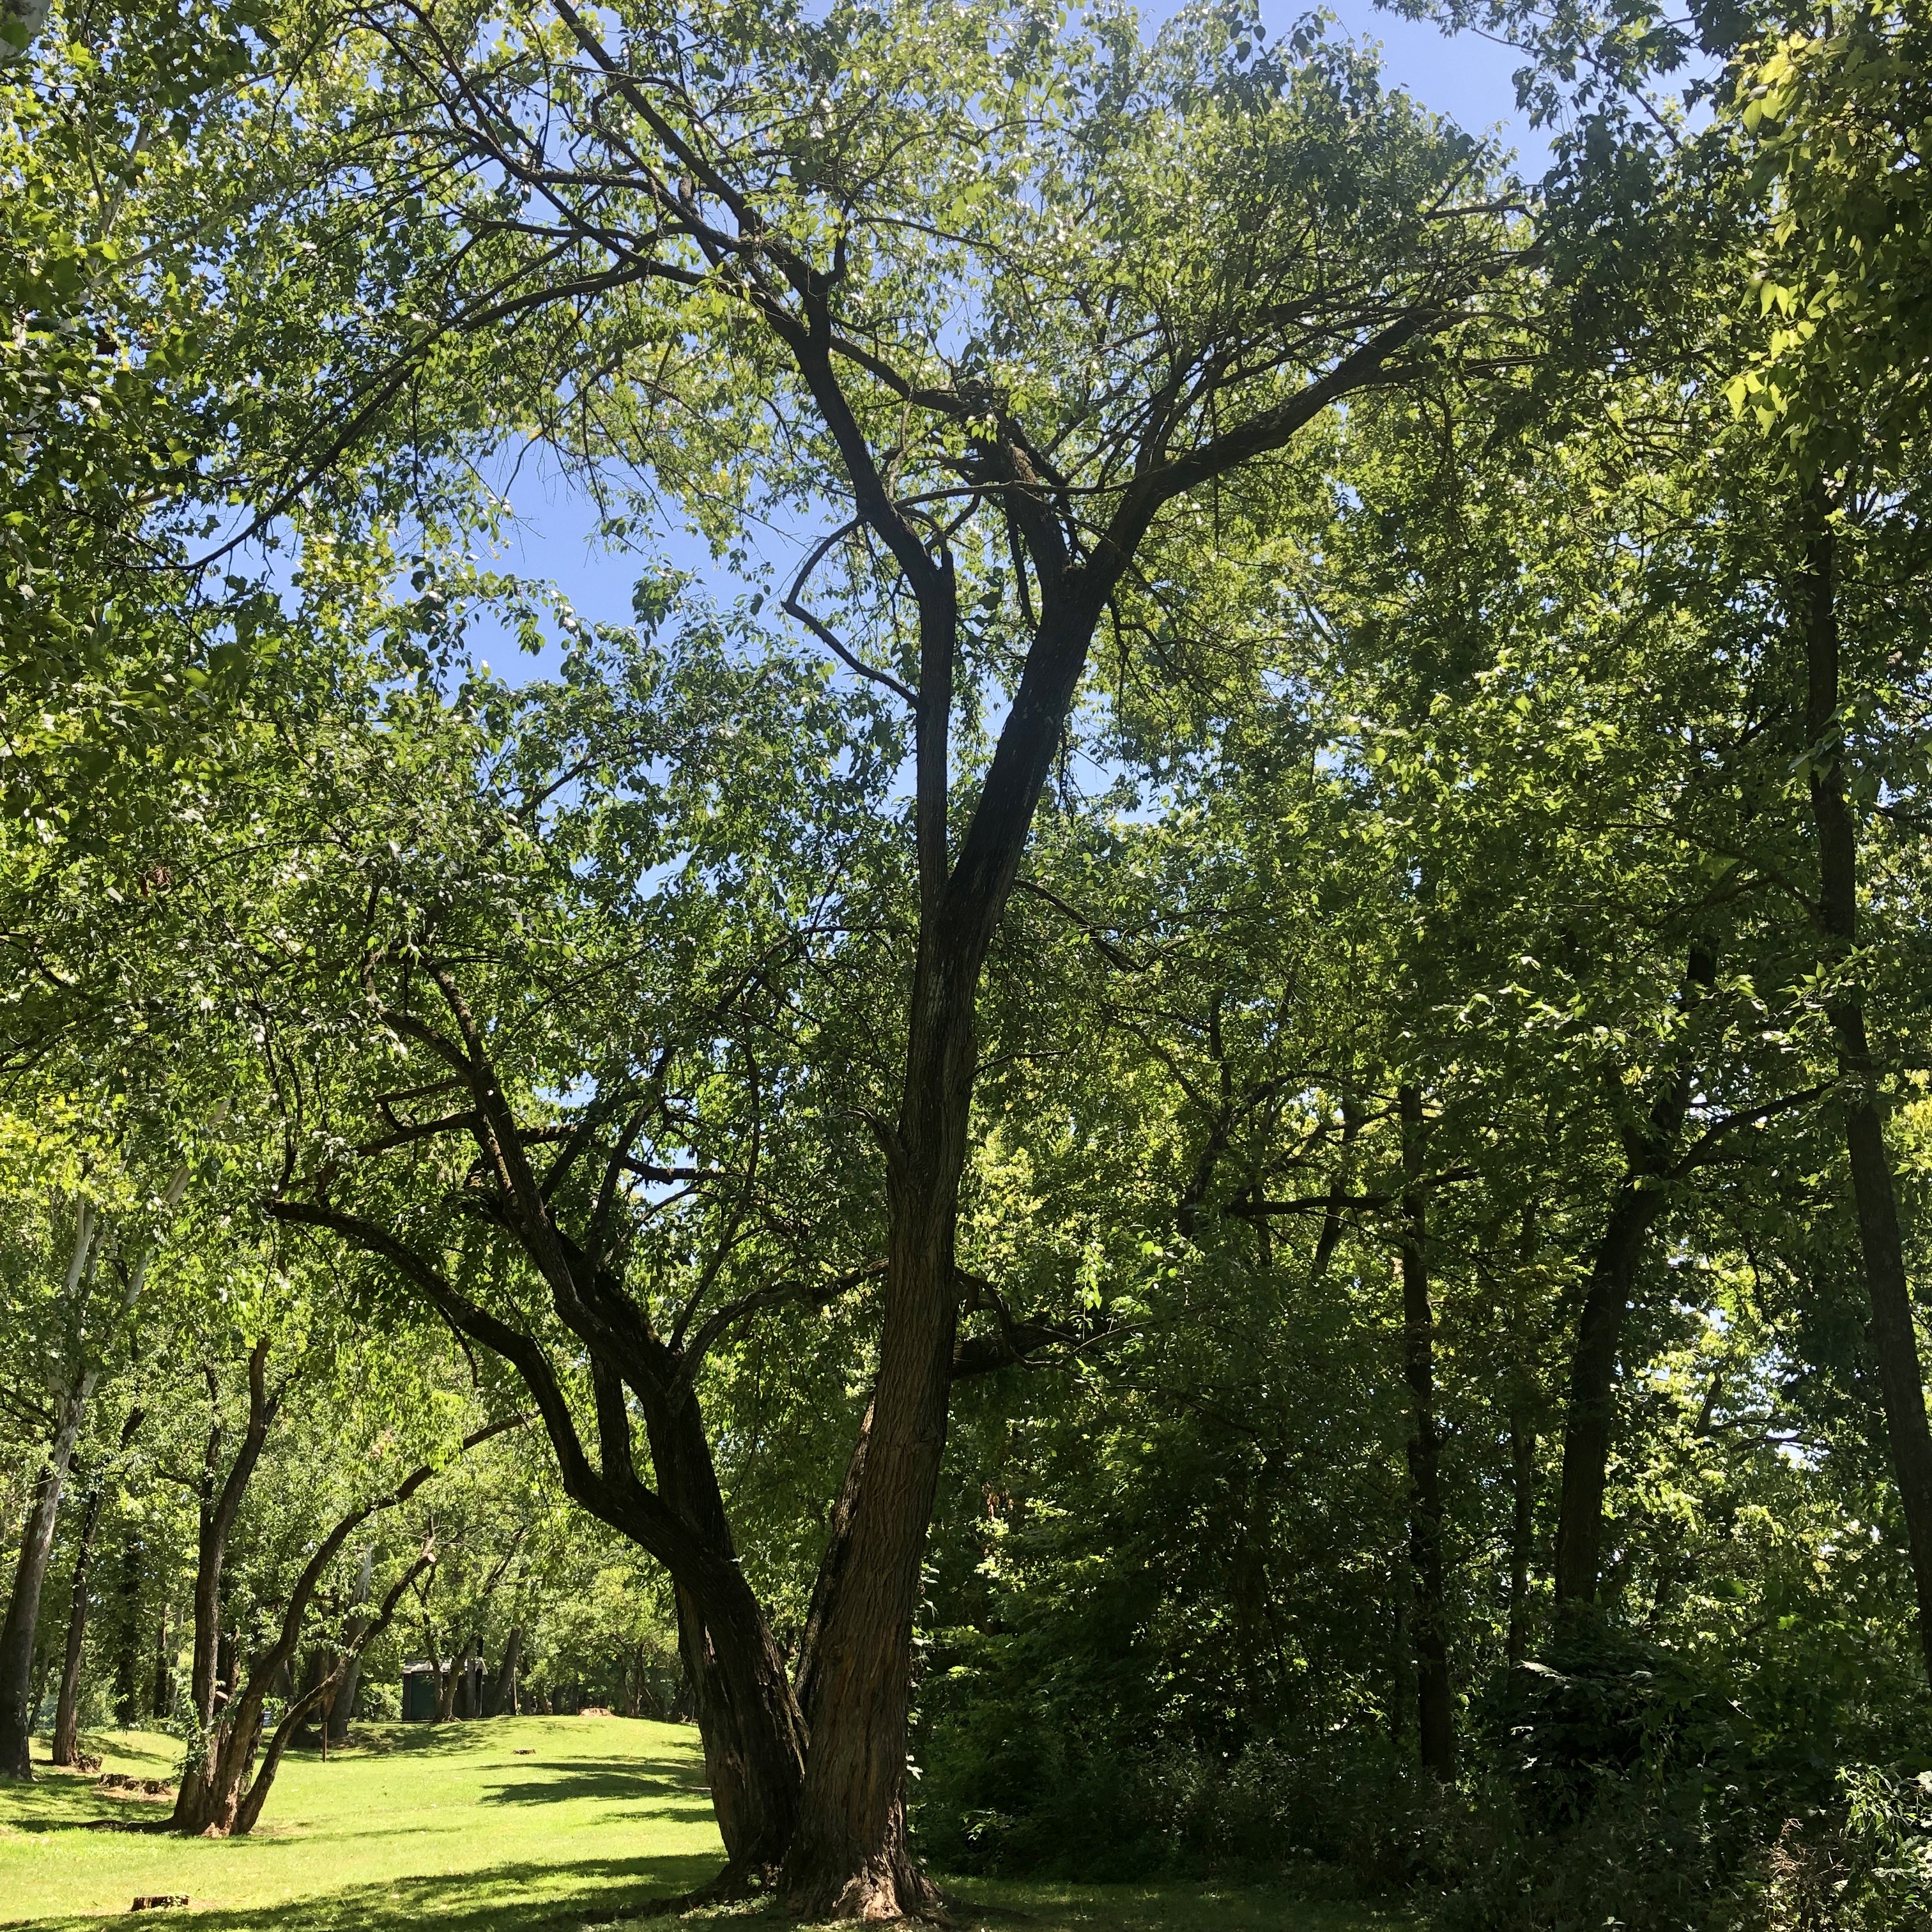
x: 497, y: 1827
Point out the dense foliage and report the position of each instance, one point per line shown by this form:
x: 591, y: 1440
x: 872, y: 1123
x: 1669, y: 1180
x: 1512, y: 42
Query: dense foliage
x: 1196, y: 1142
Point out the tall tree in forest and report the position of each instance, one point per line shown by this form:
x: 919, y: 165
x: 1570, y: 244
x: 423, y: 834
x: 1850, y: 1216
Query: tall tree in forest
x: 1222, y: 333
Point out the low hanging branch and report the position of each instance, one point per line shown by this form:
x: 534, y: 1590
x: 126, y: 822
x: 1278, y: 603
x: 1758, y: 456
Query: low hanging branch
x: 219, y: 1797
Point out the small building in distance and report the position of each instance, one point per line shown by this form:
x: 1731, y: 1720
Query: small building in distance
x: 419, y: 1693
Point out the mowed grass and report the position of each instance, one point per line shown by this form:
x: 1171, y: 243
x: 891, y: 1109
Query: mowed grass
x: 505, y: 1826
x: 509, y: 1822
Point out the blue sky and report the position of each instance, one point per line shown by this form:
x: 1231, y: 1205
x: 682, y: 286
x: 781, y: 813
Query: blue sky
x: 1464, y: 78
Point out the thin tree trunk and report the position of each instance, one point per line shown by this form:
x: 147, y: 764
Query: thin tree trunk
x: 128, y: 1659
x: 219, y: 1503
x: 503, y: 1692
x: 18, y: 1634
x: 1893, y: 1338
x: 1522, y: 1530
x: 218, y: 1797
x: 22, y: 1623
x: 164, y: 1675
x: 342, y: 1705
x: 18, y: 1630
x: 1590, y: 1421
x: 253, y: 1792
x: 1435, y: 1716
x: 66, y: 1711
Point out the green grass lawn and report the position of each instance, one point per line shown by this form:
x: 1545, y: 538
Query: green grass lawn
x: 514, y: 1824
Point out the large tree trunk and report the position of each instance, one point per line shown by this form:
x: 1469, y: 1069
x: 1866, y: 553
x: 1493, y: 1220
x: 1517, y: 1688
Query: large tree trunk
x: 1435, y: 1710
x: 748, y: 1716
x: 849, y: 1858
x: 1894, y: 1340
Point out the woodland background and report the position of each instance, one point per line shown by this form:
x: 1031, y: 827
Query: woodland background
x: 1189, y: 1133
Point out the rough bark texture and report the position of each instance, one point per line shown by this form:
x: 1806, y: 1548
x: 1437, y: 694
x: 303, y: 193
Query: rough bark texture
x: 1435, y: 1709
x: 749, y: 1718
x: 1892, y: 1337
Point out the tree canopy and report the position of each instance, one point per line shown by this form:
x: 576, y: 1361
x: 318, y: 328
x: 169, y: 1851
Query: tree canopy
x: 1184, y: 1131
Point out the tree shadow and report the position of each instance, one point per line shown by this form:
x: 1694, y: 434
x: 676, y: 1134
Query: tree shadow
x: 457, y: 1737
x: 621, y: 1780
x: 63, y: 1800
x: 484, y: 1901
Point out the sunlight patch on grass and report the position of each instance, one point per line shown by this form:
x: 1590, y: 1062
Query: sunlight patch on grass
x: 511, y: 1825
x: 505, y: 1823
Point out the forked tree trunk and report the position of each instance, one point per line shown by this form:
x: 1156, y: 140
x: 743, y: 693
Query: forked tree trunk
x: 1435, y: 1710
x: 1893, y: 1338
x: 198, y: 1805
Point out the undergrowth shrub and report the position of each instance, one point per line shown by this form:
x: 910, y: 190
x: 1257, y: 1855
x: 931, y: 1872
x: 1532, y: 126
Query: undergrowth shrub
x: 1350, y: 1814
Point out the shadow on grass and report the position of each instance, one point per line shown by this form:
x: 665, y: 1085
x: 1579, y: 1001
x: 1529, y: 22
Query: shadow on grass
x: 59, y: 1800
x: 626, y: 1780
x: 497, y: 1898
x: 459, y: 1737
x: 464, y: 1735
